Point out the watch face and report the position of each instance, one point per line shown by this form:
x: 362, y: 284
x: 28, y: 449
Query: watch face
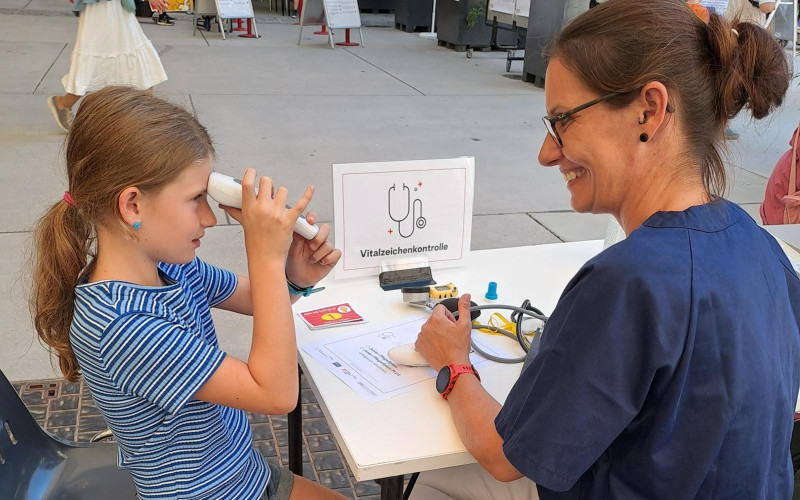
x: 443, y: 379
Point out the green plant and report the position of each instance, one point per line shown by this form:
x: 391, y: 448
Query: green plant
x: 474, y: 14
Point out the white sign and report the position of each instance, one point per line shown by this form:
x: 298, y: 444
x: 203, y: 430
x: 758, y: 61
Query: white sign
x: 342, y: 13
x: 235, y: 9
x: 522, y: 8
x: 394, y: 210
x: 504, y: 6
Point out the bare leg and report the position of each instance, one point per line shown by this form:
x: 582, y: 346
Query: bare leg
x: 306, y: 490
x: 66, y: 101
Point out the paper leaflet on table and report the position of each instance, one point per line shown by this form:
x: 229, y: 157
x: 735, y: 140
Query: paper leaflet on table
x: 329, y: 316
x: 359, y: 359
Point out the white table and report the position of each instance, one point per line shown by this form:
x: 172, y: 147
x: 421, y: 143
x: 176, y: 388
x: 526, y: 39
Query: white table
x: 414, y: 431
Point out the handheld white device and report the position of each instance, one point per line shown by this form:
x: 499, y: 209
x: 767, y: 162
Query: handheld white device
x: 406, y: 354
x: 228, y: 191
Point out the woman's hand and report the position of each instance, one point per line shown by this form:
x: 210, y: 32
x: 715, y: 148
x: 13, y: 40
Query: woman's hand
x: 268, y: 224
x: 445, y: 340
x: 159, y: 6
x: 311, y: 260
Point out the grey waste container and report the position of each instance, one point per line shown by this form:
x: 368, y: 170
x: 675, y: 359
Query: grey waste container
x: 545, y: 19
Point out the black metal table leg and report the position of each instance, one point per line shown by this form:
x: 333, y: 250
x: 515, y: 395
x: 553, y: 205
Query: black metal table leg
x: 295, y: 424
x: 391, y: 488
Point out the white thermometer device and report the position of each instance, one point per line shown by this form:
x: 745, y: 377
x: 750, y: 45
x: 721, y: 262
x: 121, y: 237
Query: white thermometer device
x: 228, y: 191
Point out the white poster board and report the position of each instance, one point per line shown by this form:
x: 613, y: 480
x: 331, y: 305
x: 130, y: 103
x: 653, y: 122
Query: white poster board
x: 342, y: 13
x: 393, y: 210
x: 504, y: 6
x: 336, y: 14
x: 235, y: 9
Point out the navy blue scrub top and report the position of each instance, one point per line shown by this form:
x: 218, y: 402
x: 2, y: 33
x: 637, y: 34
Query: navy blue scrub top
x: 668, y: 370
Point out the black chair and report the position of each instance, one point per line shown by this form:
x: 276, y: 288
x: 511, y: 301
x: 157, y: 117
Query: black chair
x: 35, y: 465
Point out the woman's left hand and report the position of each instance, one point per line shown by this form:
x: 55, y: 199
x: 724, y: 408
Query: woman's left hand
x: 309, y: 261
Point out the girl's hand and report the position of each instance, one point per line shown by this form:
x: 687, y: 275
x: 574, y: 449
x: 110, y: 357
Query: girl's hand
x: 268, y: 224
x: 311, y: 260
x: 445, y: 340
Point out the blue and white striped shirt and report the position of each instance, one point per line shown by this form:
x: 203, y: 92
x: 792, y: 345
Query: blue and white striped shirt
x: 145, y: 352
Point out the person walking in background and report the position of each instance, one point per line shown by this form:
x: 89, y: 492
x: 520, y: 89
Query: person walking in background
x: 110, y: 49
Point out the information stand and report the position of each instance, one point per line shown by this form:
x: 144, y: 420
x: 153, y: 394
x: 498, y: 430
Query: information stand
x: 336, y: 14
x: 226, y: 9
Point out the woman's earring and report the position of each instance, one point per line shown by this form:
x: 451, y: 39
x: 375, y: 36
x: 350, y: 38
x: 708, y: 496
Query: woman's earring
x: 644, y: 137
x: 137, y: 225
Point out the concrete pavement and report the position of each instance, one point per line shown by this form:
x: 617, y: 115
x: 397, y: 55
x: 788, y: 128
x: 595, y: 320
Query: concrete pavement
x: 293, y: 111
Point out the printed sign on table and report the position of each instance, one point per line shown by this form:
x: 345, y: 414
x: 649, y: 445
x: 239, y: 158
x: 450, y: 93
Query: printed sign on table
x: 389, y: 211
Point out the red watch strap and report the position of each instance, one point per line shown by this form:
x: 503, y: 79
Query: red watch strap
x: 455, y: 372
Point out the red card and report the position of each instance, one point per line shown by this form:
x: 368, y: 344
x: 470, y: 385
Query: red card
x: 325, y: 317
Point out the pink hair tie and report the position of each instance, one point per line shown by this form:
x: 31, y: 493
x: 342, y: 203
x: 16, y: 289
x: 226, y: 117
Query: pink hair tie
x: 68, y: 198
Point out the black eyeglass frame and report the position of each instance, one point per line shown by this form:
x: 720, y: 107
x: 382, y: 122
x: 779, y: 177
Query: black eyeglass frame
x: 550, y: 123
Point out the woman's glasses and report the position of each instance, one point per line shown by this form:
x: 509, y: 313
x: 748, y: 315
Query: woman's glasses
x: 550, y: 123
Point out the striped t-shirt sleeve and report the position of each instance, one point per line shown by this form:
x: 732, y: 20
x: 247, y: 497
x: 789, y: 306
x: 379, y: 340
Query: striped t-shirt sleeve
x: 219, y: 284
x: 158, y: 360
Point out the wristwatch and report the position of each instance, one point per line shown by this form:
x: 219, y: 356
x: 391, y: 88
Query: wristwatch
x: 446, y: 379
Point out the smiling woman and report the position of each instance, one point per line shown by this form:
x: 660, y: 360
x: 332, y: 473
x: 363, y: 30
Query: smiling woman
x: 670, y: 366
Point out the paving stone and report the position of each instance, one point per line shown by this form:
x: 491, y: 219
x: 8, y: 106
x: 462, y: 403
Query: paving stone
x: 321, y: 442
x: 311, y: 410
x: 257, y: 417
x: 67, y: 433
x: 307, y: 396
x: 347, y: 492
x: 328, y: 460
x: 279, y: 422
x: 94, y: 423
x: 70, y: 388
x: 283, y: 452
x: 62, y: 418
x: 281, y: 437
x: 334, y: 479
x: 69, y: 402
x: 367, y: 488
x: 266, y: 448
x: 261, y: 431
x: 39, y: 412
x: 315, y: 426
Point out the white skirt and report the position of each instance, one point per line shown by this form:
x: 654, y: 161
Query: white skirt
x: 111, y: 49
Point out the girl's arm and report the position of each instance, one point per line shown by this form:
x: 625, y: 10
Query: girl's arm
x: 307, y: 262
x: 267, y: 382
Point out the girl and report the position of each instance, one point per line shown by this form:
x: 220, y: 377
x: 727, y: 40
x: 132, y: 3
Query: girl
x: 121, y: 298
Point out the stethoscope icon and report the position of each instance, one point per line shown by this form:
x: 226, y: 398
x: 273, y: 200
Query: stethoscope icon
x: 415, y: 209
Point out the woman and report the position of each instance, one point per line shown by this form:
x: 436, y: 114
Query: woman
x: 110, y: 49
x: 670, y: 366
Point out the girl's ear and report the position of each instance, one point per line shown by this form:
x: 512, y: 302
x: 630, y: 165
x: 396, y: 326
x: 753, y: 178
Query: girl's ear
x: 129, y: 201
